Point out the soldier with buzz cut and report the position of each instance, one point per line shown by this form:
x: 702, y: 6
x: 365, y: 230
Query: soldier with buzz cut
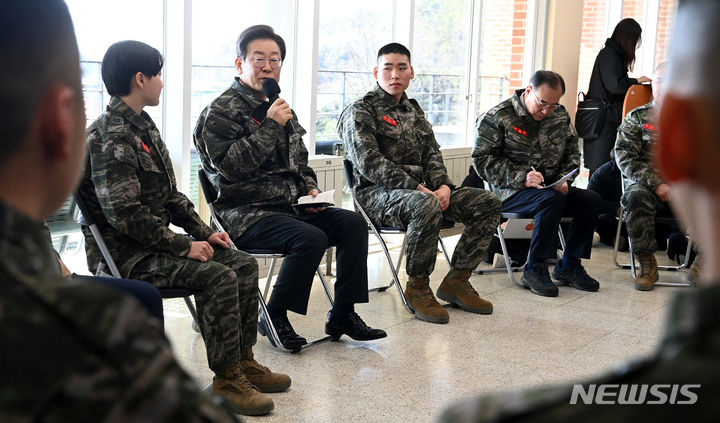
x: 522, y: 144
x: 129, y: 188
x: 403, y: 182
x: 252, y: 149
x: 70, y: 350
x: 646, y: 194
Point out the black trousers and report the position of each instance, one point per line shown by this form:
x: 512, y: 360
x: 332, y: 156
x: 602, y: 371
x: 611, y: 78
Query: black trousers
x: 304, y: 243
x: 548, y: 206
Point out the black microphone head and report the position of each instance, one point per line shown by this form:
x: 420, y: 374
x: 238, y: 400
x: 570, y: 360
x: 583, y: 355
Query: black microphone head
x: 271, y: 89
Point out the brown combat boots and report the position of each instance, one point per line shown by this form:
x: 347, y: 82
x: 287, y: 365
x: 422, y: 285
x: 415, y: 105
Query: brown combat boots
x: 420, y: 296
x: 648, y: 272
x: 240, y: 394
x: 456, y: 290
x: 260, y: 376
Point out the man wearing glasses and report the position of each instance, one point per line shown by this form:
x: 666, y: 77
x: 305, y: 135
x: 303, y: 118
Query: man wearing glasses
x: 523, y: 144
x: 252, y: 150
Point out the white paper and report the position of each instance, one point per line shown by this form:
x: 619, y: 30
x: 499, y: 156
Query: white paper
x: 323, y: 199
x: 562, y: 180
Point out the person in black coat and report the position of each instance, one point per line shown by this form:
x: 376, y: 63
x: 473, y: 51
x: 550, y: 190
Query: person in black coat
x: 609, y: 81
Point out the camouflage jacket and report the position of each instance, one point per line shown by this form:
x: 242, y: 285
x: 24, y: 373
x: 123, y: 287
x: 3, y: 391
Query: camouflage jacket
x: 634, y: 147
x: 687, y: 354
x: 258, y: 167
x: 509, y: 141
x: 390, y: 144
x: 76, y: 351
x: 130, y: 190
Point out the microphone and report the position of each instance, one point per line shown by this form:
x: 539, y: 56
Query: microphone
x: 271, y: 89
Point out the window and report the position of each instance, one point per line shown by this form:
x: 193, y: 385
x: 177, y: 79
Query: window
x: 100, y: 24
x: 665, y: 20
x: 594, y: 33
x: 350, y: 34
x: 441, y: 44
x: 599, y: 20
x: 502, y: 51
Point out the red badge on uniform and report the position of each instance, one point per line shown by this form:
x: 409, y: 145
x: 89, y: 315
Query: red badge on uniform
x: 649, y: 127
x: 145, y: 147
x: 390, y: 120
x: 520, y: 131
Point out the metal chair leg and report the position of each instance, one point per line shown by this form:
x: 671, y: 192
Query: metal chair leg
x: 444, y: 250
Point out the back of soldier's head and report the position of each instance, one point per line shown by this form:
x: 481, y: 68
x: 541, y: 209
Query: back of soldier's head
x: 37, y: 50
x: 694, y: 59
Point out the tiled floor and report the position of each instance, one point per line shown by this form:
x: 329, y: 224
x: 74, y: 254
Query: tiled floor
x: 420, y: 367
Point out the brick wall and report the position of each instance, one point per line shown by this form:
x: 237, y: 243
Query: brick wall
x: 634, y: 9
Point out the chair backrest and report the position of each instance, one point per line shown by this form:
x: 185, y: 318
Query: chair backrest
x: 636, y: 96
x: 86, y: 219
x: 348, y: 168
x: 208, y: 189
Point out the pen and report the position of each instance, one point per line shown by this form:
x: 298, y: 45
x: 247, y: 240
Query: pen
x: 533, y: 169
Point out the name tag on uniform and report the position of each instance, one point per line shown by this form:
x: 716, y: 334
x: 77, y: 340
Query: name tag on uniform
x: 520, y: 131
x: 390, y: 120
x: 649, y: 127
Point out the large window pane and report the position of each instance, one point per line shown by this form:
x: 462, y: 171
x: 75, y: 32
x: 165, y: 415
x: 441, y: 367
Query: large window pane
x: 440, y: 60
x: 666, y: 18
x: 350, y: 34
x: 98, y: 24
x: 502, y: 51
x: 594, y: 34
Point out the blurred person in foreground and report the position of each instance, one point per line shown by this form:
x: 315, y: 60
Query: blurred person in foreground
x: 70, y: 350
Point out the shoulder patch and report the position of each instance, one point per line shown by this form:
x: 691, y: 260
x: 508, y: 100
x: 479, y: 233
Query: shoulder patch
x: 116, y: 125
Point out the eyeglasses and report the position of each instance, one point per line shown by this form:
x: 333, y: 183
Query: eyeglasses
x: 543, y: 103
x: 259, y: 62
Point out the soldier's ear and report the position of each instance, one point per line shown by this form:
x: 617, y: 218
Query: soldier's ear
x: 57, y: 122
x: 138, y: 80
x: 676, y: 149
x: 412, y: 72
x: 375, y: 72
x: 238, y: 65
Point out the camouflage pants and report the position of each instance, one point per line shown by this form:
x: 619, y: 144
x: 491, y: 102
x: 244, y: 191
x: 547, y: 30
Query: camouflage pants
x: 420, y: 215
x: 225, y: 294
x: 641, y: 206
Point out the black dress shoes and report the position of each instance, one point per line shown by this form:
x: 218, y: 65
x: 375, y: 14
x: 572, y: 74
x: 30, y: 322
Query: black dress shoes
x: 288, y: 338
x: 351, y: 325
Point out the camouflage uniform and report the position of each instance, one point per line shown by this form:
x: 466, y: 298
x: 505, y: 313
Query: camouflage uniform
x: 508, y: 143
x: 264, y: 173
x: 393, y: 150
x: 74, y: 351
x: 633, y: 153
x: 687, y: 354
x: 259, y: 169
x: 129, y: 188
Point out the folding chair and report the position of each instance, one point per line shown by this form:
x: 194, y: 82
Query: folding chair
x: 86, y: 219
x: 504, y: 216
x: 211, y: 195
x: 670, y: 268
x: 636, y: 96
x: 379, y: 230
